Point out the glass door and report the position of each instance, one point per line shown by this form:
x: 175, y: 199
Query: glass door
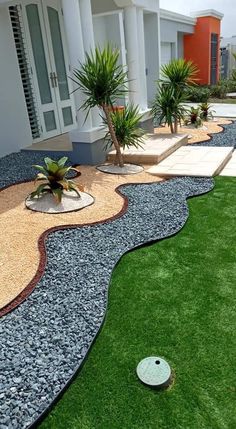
x: 43, y: 23
x: 57, y: 50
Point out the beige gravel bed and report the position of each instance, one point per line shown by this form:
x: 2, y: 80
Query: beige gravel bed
x: 198, y: 134
x: 19, y: 256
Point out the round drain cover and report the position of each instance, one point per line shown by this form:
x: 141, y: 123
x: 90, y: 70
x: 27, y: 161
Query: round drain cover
x: 154, y: 371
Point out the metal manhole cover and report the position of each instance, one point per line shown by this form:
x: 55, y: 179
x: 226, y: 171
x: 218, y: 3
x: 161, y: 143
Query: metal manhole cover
x: 154, y: 371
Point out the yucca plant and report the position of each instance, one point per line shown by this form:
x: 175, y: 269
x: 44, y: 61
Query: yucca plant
x: 175, y: 79
x: 167, y: 107
x: 103, y: 81
x: 53, y: 173
x: 179, y: 73
x: 126, y: 126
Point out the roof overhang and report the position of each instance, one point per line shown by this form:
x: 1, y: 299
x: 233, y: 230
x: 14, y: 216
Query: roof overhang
x: 208, y: 12
x: 145, y: 4
x: 177, y: 17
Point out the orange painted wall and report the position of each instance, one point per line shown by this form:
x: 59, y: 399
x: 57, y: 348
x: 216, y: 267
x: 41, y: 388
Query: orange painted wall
x: 197, y: 47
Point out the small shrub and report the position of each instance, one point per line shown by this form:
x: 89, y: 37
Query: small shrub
x: 219, y: 90
x: 198, y: 94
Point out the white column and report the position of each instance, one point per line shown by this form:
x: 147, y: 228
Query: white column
x: 72, y: 21
x: 159, y: 44
x: 132, y: 46
x: 89, y: 43
x: 87, y: 25
x: 142, y: 60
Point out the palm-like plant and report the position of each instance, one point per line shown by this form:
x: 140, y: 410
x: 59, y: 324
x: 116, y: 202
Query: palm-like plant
x: 179, y: 73
x: 126, y: 126
x: 167, y: 106
x: 176, y: 77
x: 102, y: 80
x: 53, y: 173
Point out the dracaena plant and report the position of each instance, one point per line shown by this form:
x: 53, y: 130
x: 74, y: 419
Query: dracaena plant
x: 171, y: 91
x: 126, y: 126
x: 53, y: 175
x: 103, y: 81
x: 168, y: 106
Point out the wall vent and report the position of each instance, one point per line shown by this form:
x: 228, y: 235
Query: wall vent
x: 25, y: 69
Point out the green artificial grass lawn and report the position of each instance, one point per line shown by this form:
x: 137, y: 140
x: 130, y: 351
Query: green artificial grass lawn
x: 176, y: 299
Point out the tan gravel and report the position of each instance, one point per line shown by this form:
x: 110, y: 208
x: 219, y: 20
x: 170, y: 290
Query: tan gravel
x: 21, y: 228
x: 19, y: 256
x: 198, y: 134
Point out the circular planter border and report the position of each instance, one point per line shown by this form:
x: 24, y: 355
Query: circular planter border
x: 69, y: 203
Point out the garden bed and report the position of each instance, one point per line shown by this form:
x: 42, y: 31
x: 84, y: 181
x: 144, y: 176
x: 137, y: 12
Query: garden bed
x: 45, y: 340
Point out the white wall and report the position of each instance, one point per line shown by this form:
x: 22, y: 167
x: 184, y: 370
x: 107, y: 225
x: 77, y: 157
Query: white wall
x: 100, y: 34
x: 107, y: 30
x: 14, y: 124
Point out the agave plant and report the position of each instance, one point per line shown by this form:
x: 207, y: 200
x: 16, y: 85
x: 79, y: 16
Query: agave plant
x: 125, y: 123
x: 167, y: 107
x: 53, y: 173
x: 103, y: 81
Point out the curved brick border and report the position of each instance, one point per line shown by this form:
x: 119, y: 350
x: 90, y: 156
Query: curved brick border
x: 43, y: 255
x: 42, y: 239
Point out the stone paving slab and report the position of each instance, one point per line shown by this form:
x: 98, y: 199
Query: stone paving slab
x: 194, y: 161
x: 156, y: 147
x: 230, y: 168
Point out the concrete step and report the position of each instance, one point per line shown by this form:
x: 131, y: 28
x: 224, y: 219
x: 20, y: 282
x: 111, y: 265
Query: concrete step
x: 156, y: 147
x: 194, y: 161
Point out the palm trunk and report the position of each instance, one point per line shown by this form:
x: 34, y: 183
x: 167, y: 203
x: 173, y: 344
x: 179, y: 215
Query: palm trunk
x: 171, y: 128
x: 176, y: 125
x: 119, y: 158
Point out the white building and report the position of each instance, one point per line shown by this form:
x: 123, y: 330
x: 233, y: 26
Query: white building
x: 228, y: 62
x: 41, y: 41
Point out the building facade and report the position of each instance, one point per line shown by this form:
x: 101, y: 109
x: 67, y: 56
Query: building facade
x: 42, y: 41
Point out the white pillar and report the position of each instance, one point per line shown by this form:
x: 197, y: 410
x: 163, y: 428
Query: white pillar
x: 87, y: 25
x: 142, y: 60
x: 132, y: 46
x: 159, y: 44
x: 89, y: 44
x: 72, y: 21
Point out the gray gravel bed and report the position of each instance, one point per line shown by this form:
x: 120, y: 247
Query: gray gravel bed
x: 17, y: 167
x: 227, y: 138
x: 44, y: 341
